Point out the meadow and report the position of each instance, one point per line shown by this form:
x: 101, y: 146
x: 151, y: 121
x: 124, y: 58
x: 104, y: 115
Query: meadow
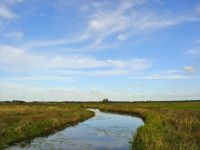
x: 19, y: 122
x: 168, y: 125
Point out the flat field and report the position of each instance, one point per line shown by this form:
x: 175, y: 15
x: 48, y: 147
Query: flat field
x: 168, y: 125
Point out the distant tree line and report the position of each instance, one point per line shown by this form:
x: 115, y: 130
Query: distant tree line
x: 105, y: 100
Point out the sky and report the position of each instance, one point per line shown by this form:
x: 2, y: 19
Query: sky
x: 123, y: 50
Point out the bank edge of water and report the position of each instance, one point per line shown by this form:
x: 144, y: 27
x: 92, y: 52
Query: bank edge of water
x: 164, y: 128
x: 48, y: 132
x: 121, y: 112
x: 137, y: 112
x: 137, y: 141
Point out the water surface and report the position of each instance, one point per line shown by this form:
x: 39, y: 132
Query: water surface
x: 104, y: 131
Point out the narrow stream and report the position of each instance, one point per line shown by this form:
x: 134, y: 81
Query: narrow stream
x: 102, y: 132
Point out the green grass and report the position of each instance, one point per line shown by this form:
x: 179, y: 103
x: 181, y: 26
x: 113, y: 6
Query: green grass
x: 168, y: 125
x: 20, y: 122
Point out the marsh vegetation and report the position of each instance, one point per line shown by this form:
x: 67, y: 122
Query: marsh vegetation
x: 24, y: 121
x: 168, y: 125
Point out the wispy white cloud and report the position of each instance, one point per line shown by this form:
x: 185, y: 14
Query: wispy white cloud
x: 50, y: 43
x: 6, y: 13
x: 17, y: 59
x: 12, y: 58
x: 127, y: 19
x: 122, y: 21
x: 100, y: 72
x: 41, y: 78
x: 11, y: 2
x: 164, y: 75
x: 107, y: 25
x: 27, y: 92
x: 16, y: 35
x: 7, y: 16
x: 112, y: 72
x: 194, y: 51
x: 173, y: 95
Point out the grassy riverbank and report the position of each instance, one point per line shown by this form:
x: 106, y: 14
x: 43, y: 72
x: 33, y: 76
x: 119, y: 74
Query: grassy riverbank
x: 168, y: 125
x: 20, y: 122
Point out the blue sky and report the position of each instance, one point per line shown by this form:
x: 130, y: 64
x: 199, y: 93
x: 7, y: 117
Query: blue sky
x: 94, y: 49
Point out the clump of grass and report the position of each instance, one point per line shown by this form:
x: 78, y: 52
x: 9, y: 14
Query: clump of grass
x: 24, y: 121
